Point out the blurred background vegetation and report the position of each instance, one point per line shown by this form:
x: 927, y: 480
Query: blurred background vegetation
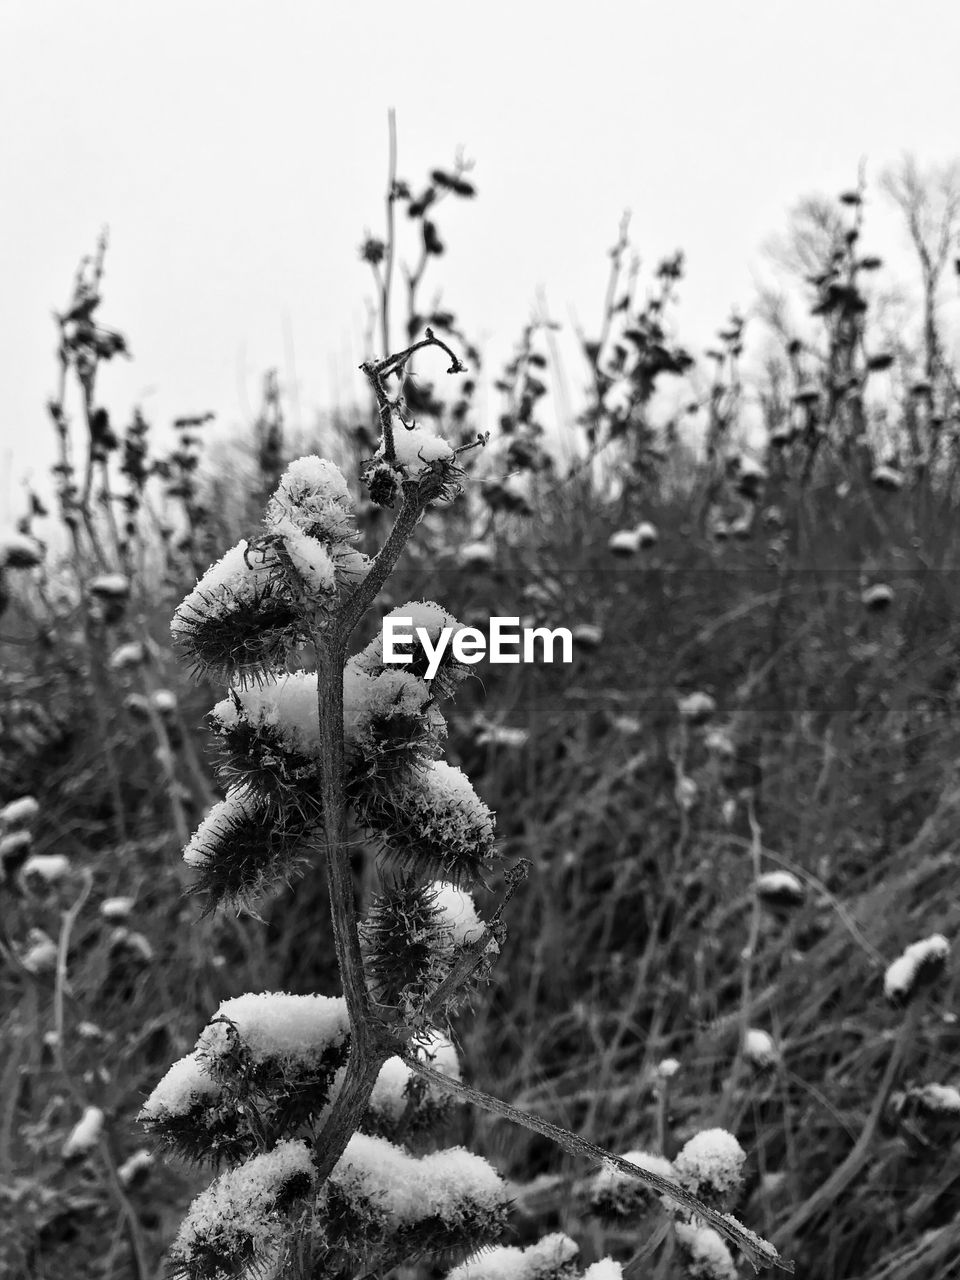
x: 797, y: 567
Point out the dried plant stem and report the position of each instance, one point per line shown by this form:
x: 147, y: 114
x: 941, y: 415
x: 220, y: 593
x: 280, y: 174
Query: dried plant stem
x: 370, y: 1043
x: 386, y: 285
x: 748, y: 959
x: 137, y: 1244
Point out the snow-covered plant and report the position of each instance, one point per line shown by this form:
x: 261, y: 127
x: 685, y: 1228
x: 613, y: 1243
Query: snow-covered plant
x: 312, y: 1108
x: 614, y: 1194
x: 759, y: 1049
x: 919, y: 965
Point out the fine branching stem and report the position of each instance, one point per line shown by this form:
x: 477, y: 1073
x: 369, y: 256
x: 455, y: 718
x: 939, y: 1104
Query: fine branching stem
x: 391, y: 245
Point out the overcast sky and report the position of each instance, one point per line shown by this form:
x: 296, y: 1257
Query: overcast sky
x: 237, y: 151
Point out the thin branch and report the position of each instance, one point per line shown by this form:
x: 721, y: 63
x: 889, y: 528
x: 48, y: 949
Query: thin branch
x: 387, y: 280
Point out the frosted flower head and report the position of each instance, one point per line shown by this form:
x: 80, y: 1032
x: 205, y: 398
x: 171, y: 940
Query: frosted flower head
x: 271, y: 1044
x: 110, y: 586
x: 687, y: 793
x: 416, y: 448
x: 628, y: 726
x: 432, y: 822
x: 706, y: 1254
x: 115, y: 908
x: 241, y: 618
x: 273, y: 1025
x: 126, y: 656
x: 164, y: 701
x: 19, y: 813
x: 187, y: 1085
x: 389, y: 720
x: 887, y: 478
x: 85, y: 1134
x: 710, y: 1165
x: 587, y: 636
x: 920, y: 965
x: 720, y: 744
x: 477, y: 555
x: 131, y: 946
x: 501, y: 735
x: 244, y: 843
x: 401, y: 1095
x: 270, y: 735
x: 41, y: 953
x: 742, y: 527
x: 780, y: 890
x: 615, y: 1194
x: 552, y: 1257
x: 238, y: 1219
x: 696, y: 708
x: 605, y: 1269
x: 624, y: 543
x: 877, y: 598
x: 667, y: 1068
x: 759, y: 1049
x: 42, y: 871
x: 14, y: 850
x: 411, y: 935
x: 136, y: 1168
x: 934, y: 1101
x: 432, y: 618
x: 313, y: 497
x: 751, y: 477
x: 379, y: 1192
x: 19, y: 550
x: 456, y: 912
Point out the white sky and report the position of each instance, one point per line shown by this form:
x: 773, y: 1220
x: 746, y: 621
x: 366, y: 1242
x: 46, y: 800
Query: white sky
x: 237, y: 151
